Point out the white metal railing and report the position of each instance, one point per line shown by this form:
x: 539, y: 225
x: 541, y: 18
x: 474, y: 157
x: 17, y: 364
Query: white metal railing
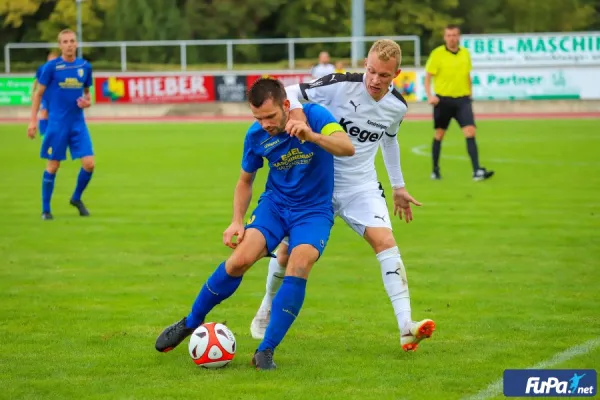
x: 228, y: 43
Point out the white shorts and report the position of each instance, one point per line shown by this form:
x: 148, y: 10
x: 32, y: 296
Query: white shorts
x: 361, y: 209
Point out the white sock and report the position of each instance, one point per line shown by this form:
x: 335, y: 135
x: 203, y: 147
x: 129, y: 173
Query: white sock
x: 274, y: 281
x: 396, y: 285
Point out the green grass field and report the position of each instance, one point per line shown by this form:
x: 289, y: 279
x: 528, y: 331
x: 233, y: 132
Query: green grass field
x: 508, y: 269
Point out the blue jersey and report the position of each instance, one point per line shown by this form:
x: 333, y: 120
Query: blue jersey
x: 66, y: 81
x: 300, y: 173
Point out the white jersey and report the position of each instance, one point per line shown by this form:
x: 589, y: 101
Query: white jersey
x: 365, y: 120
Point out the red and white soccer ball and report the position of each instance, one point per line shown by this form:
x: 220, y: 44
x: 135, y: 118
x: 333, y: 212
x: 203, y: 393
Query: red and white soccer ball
x: 212, y: 345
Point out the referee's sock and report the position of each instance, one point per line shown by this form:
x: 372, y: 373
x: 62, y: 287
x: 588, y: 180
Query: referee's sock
x: 436, y: 149
x: 472, y: 149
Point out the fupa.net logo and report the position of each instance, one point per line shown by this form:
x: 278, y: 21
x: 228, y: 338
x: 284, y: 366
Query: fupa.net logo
x: 550, y: 383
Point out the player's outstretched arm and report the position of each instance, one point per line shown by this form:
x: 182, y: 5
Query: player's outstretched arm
x: 333, y: 138
x: 241, y: 201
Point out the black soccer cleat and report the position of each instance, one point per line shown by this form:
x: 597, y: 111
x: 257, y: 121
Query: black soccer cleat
x: 435, y: 175
x: 263, y: 360
x: 172, y: 336
x: 78, y: 204
x: 482, y: 174
x: 47, y: 216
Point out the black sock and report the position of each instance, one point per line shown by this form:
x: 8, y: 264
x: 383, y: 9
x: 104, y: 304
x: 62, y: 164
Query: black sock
x: 435, y: 153
x: 472, y: 149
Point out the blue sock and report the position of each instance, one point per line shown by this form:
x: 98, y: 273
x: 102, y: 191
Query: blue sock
x: 42, y: 125
x: 47, y: 189
x: 286, y: 306
x: 82, y: 181
x: 219, y: 286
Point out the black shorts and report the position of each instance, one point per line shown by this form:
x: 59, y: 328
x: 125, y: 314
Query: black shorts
x: 458, y: 108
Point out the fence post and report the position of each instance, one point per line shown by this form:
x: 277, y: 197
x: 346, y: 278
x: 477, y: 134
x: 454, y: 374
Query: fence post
x: 291, y: 55
x: 417, y: 52
x: 7, y: 59
x: 183, y: 48
x: 229, y: 55
x: 123, y: 57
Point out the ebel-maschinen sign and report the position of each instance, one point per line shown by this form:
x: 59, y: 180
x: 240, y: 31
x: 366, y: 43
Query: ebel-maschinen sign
x: 571, y: 48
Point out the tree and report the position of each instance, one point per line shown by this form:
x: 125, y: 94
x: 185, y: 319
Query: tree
x: 14, y: 11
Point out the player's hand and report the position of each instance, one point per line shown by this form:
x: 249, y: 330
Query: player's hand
x: 433, y: 100
x: 402, y: 201
x: 235, y: 230
x: 299, y: 129
x: 84, y: 101
x: 31, y: 130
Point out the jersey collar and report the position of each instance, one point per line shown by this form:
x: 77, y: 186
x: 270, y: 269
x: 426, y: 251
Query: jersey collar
x: 453, y: 52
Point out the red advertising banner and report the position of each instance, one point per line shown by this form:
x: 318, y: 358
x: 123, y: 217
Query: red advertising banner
x: 287, y: 79
x: 165, y: 89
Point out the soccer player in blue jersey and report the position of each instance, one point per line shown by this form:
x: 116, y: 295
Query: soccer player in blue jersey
x: 68, y: 80
x: 43, y: 115
x: 297, y: 201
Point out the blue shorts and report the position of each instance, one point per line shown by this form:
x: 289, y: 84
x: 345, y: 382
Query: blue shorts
x: 58, y: 138
x: 307, y: 226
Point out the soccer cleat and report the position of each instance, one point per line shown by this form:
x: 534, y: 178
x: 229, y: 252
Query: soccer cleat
x: 263, y: 360
x: 172, y: 336
x: 482, y: 174
x: 47, y: 216
x: 417, y: 331
x: 259, y: 324
x: 78, y: 204
x: 435, y: 175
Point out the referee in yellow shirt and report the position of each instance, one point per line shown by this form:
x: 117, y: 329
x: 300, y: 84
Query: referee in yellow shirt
x: 450, y: 67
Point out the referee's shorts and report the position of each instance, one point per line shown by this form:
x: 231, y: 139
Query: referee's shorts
x: 458, y: 108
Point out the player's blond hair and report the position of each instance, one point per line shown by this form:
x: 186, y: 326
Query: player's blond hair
x: 386, y: 49
x: 65, y: 31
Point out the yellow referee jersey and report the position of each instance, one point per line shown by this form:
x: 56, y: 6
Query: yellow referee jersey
x: 451, y: 71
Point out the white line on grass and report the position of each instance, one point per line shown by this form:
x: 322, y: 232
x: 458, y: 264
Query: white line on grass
x: 423, y: 150
x: 496, y: 388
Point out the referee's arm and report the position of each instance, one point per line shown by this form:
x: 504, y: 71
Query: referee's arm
x: 431, y: 69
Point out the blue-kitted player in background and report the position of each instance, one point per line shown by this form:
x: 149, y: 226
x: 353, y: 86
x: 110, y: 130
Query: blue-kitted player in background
x: 68, y: 80
x: 297, y: 201
x: 43, y: 114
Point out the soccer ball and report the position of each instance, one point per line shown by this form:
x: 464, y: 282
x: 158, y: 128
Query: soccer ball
x: 212, y: 345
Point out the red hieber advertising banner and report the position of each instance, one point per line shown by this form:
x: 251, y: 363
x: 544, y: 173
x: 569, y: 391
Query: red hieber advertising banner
x: 286, y: 79
x: 166, y: 89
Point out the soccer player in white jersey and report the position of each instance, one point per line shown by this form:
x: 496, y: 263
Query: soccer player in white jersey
x: 370, y: 110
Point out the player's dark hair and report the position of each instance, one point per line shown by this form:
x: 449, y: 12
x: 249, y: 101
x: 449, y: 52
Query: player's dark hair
x: 264, y: 89
x: 452, y: 26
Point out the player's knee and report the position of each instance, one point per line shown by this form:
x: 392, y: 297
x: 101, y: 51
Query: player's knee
x: 52, y: 166
x: 382, y: 242
x: 88, y: 163
x: 439, y: 134
x: 301, y: 261
x: 238, y: 263
x: 469, y: 131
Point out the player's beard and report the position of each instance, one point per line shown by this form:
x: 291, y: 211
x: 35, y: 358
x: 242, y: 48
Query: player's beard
x: 279, y: 128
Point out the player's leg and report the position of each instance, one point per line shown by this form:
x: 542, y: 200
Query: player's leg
x: 367, y: 214
x: 466, y: 120
x: 53, y: 149
x: 43, y: 118
x: 275, y: 277
x: 442, y: 114
x: 80, y: 145
x: 308, y: 238
x: 260, y: 238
